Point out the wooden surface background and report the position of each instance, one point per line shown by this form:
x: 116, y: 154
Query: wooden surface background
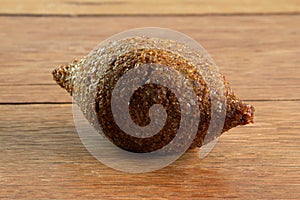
x: 256, y: 45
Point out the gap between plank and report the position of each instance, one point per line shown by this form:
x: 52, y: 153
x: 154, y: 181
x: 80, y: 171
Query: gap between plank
x: 49, y: 103
x: 146, y: 15
x: 27, y: 84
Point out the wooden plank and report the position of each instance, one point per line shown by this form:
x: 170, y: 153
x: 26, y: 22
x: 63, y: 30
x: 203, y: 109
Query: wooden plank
x: 257, y: 54
x: 33, y: 93
x: 41, y: 157
x: 152, y: 7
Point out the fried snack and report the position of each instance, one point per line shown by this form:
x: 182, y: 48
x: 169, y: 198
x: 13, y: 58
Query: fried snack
x: 94, y: 77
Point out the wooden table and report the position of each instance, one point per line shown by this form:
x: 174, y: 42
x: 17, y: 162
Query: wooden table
x: 256, y: 45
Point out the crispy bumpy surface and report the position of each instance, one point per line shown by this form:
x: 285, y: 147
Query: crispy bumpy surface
x: 71, y: 77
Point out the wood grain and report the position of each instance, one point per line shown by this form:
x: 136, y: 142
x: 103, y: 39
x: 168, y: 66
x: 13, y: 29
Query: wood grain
x: 150, y: 7
x: 257, y: 54
x: 41, y: 156
x: 255, y: 44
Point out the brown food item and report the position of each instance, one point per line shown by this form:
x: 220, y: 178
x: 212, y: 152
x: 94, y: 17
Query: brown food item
x: 100, y: 71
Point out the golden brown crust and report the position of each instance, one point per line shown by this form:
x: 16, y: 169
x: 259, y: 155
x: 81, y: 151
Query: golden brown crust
x: 237, y: 112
